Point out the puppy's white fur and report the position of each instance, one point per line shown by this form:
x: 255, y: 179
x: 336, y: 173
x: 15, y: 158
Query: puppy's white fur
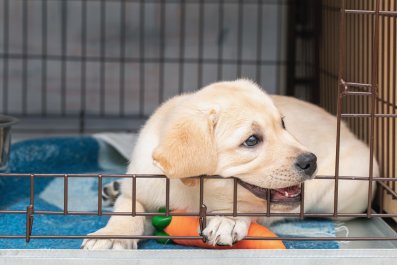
x: 203, y: 132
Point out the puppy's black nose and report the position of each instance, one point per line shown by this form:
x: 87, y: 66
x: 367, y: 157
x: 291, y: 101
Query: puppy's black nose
x: 307, y: 163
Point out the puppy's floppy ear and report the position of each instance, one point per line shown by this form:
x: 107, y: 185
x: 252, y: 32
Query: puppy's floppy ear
x: 187, y: 147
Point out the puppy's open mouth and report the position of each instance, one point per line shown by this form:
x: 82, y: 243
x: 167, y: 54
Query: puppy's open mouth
x: 288, y: 194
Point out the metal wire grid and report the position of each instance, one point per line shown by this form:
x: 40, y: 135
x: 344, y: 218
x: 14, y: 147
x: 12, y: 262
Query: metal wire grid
x: 31, y: 212
x: 303, y: 52
x: 70, y: 67
x: 368, y: 92
x: 364, y: 68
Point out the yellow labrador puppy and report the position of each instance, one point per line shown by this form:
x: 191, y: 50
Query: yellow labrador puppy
x: 236, y: 129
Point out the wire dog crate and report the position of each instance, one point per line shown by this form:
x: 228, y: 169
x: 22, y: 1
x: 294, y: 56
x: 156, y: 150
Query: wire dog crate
x: 73, y: 64
x: 113, y: 62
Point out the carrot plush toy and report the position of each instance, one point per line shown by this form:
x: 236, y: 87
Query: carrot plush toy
x: 187, y: 226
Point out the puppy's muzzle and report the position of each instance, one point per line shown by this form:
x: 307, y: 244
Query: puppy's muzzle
x: 306, y: 164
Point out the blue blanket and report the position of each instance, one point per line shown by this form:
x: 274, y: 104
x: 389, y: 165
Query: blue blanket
x: 88, y: 155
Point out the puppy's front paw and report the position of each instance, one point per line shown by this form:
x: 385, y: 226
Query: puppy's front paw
x: 110, y: 192
x: 225, y: 230
x: 90, y: 243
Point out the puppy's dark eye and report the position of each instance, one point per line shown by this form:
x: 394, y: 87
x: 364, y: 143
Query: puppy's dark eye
x: 251, y: 141
x: 283, y: 123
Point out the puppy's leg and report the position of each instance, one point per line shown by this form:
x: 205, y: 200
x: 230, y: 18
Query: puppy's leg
x: 119, y: 225
x: 226, y: 230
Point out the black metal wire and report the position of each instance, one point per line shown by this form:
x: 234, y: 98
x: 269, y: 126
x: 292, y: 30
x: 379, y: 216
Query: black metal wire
x: 5, y: 58
x: 102, y: 74
x: 280, y: 19
x: 240, y: 11
x: 182, y: 44
x: 220, y: 38
x: 251, y: 2
x: 200, y: 45
x: 162, y: 50
x: 141, y: 59
x: 259, y: 30
x: 145, y: 60
x: 24, y: 56
x: 44, y: 44
x: 64, y: 23
x: 83, y: 70
x: 123, y: 28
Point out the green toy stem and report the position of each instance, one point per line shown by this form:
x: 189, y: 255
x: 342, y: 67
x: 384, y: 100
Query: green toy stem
x: 159, y: 223
x: 162, y: 233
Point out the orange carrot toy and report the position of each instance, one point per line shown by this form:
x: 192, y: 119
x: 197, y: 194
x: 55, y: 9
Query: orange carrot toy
x: 187, y: 226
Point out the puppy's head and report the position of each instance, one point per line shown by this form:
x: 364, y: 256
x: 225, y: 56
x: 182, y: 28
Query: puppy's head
x: 234, y: 129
